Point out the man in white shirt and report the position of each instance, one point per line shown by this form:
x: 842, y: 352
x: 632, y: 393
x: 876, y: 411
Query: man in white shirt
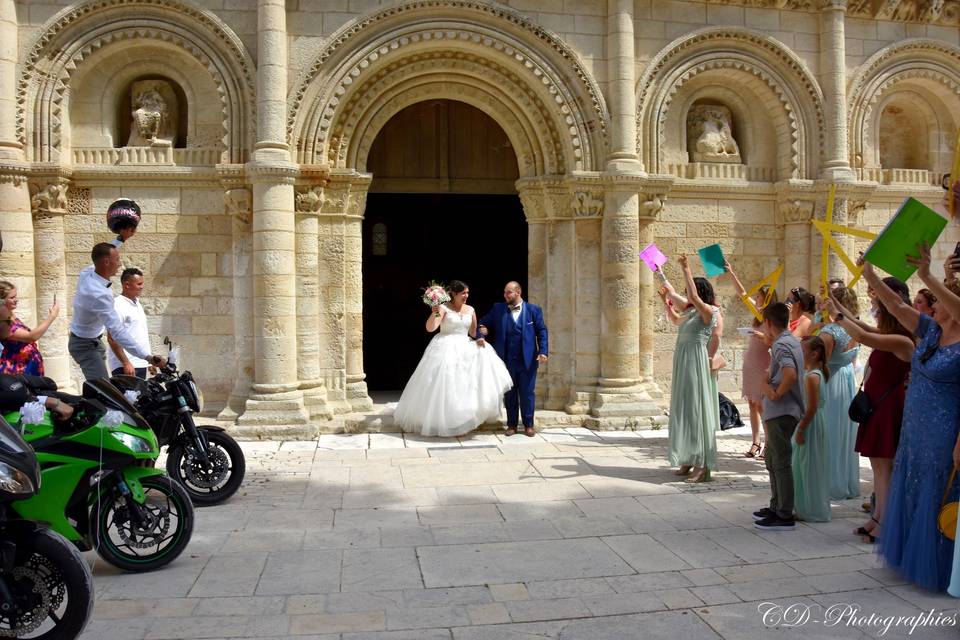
x: 93, y: 311
x: 131, y: 313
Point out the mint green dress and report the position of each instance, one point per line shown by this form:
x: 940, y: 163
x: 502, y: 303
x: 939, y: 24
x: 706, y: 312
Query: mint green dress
x: 694, y: 404
x: 811, y: 465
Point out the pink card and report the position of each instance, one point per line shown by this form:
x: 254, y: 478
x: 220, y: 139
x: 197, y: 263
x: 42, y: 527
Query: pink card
x: 653, y: 257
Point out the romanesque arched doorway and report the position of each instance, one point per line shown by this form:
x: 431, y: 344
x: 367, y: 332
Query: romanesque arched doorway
x: 442, y: 205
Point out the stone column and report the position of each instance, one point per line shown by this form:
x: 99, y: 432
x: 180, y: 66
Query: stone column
x: 621, y: 72
x: 588, y: 206
x: 652, y: 199
x: 835, y: 165
x: 309, y: 199
x: 795, y: 212
x: 340, y: 227
x: 276, y: 398
x: 561, y: 295
x: 16, y: 224
x: 357, y: 394
x: 49, y: 204
x: 237, y: 201
x: 535, y: 210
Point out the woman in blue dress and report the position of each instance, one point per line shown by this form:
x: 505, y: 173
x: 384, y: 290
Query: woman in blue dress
x: 929, y: 445
x: 839, y: 390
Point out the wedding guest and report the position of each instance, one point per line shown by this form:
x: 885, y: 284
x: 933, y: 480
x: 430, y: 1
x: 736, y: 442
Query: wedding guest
x: 802, y: 305
x: 694, y: 409
x: 810, y: 453
x: 842, y: 351
x: 929, y: 438
x: 133, y: 317
x: 756, y: 361
x: 885, y: 385
x: 782, y: 410
x: 21, y: 354
x: 924, y: 301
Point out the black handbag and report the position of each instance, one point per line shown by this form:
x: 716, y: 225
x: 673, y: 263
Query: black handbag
x: 729, y: 414
x: 861, y: 408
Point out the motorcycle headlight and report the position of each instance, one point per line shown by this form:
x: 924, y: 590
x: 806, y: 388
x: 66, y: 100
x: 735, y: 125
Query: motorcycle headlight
x: 14, y: 481
x: 196, y: 402
x: 135, y: 443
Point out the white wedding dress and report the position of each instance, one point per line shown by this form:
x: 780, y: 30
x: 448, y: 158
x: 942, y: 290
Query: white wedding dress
x: 456, y: 387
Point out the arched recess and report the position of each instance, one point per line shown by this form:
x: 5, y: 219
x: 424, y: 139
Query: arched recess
x: 486, y: 55
x: 920, y: 75
x: 69, y: 40
x: 781, y: 93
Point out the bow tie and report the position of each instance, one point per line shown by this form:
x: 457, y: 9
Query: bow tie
x: 515, y: 307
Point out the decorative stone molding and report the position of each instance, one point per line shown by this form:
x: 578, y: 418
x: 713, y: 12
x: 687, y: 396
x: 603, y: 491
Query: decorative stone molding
x: 309, y: 199
x: 587, y: 204
x: 238, y: 204
x: 48, y: 199
x: 486, y: 53
x: 739, y: 50
x: 795, y: 211
x: 13, y: 173
x: 946, y: 12
x: 79, y: 31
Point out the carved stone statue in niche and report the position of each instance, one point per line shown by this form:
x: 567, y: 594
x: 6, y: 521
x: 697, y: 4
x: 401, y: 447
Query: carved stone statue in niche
x: 710, y: 134
x: 154, y: 114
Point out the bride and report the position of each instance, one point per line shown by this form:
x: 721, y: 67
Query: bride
x: 459, y: 384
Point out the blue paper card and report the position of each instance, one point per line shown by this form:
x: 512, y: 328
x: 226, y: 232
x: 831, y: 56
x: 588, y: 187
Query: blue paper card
x: 712, y: 259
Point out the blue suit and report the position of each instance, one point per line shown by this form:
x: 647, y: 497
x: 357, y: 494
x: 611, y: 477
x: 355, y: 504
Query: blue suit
x: 518, y: 344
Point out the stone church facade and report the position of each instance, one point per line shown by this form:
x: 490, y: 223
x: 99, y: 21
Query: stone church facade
x: 248, y: 132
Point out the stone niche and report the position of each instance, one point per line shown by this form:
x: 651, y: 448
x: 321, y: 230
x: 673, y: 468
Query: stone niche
x: 152, y: 112
x: 710, y: 134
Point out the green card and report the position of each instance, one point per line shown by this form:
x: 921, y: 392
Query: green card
x: 712, y: 259
x: 913, y: 223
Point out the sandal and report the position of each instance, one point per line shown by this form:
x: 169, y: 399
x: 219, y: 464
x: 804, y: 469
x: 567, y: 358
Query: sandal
x: 755, y: 448
x: 863, y: 531
x: 684, y: 470
x: 762, y: 454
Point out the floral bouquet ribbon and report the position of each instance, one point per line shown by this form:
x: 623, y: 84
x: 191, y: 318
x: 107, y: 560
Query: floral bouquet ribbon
x: 435, y: 295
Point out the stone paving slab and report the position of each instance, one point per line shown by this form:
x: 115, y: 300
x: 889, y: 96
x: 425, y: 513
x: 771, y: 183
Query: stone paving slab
x: 572, y: 534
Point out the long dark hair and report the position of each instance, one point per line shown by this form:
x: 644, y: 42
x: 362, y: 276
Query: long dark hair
x: 815, y: 345
x: 886, y: 322
x: 704, y: 290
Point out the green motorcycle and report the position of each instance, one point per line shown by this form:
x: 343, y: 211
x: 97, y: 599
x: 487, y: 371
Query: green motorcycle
x: 100, y: 488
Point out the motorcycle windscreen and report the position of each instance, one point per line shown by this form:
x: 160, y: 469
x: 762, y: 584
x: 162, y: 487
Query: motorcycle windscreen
x: 110, y: 396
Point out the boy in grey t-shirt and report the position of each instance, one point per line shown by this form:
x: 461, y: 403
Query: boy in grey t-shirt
x: 782, y: 410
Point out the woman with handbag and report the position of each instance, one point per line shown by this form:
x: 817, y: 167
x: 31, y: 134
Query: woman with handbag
x: 694, y: 403
x: 929, y: 439
x: 842, y: 351
x: 878, y: 406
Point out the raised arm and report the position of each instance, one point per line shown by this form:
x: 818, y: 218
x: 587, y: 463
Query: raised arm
x: 741, y: 291
x: 899, y: 345
x: 947, y: 298
x: 906, y: 314
x: 668, y: 309
x: 32, y: 335
x: 705, y: 310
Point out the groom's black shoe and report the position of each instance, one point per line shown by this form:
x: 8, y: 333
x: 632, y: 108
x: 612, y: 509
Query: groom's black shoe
x: 511, y: 431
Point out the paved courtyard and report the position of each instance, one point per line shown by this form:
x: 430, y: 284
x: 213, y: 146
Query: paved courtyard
x: 568, y: 535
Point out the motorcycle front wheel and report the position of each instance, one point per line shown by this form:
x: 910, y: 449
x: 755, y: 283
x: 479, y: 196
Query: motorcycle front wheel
x: 51, y: 588
x: 214, y: 481
x: 151, y: 538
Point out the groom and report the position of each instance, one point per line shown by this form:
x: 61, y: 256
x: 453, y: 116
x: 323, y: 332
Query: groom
x: 519, y: 337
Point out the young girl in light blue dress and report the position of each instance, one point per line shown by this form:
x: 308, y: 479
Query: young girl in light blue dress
x: 811, y: 464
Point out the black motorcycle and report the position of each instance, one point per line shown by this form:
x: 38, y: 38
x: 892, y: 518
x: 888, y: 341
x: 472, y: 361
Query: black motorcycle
x: 46, y: 588
x: 203, y: 458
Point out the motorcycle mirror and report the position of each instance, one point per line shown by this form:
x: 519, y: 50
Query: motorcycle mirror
x: 174, y: 355
x: 166, y: 341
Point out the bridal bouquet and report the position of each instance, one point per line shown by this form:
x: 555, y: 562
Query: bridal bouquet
x: 435, y: 295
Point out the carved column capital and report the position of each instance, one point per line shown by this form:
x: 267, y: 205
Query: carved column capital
x: 48, y: 199
x: 795, y: 211
x: 833, y: 5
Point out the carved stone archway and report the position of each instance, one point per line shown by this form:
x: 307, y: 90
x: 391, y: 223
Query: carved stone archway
x: 87, y: 27
x: 762, y: 65
x: 526, y: 80
x: 928, y: 68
